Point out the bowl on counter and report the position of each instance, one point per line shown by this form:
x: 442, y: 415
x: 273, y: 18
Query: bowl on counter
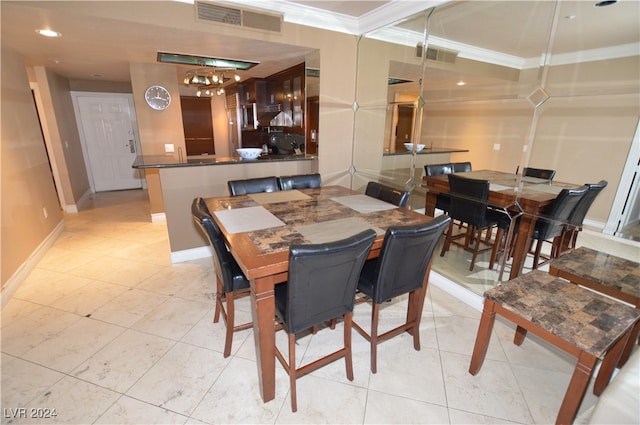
x: 409, y: 147
x: 249, y: 153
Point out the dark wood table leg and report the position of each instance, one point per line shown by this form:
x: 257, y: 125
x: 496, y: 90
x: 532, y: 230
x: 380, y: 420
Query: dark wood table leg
x: 430, y: 203
x: 609, y: 364
x: 522, y: 243
x: 577, y: 388
x: 483, y: 337
x: 263, y: 310
x: 521, y: 334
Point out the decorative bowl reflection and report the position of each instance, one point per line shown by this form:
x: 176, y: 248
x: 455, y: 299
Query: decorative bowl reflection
x: 409, y: 147
x: 249, y: 153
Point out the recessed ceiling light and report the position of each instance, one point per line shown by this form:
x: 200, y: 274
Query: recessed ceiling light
x: 48, y: 33
x: 570, y: 17
x: 461, y: 83
x: 604, y: 3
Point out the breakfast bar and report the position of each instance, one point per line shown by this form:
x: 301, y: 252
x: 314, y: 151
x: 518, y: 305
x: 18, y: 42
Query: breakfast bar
x: 207, y: 176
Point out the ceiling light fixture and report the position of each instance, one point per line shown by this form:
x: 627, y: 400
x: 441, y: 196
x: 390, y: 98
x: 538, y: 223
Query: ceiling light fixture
x: 209, y: 80
x: 212, y: 72
x: 48, y: 33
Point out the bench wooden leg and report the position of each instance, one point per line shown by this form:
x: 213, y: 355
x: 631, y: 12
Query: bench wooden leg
x: 483, y: 337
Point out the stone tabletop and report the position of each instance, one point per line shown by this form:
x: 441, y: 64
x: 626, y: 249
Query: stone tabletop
x: 306, y: 218
x: 607, y: 270
x: 586, y: 319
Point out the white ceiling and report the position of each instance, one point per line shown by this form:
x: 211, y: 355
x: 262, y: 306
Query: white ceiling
x: 98, y: 42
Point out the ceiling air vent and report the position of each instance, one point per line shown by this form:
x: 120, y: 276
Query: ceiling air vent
x: 437, y: 54
x: 211, y: 12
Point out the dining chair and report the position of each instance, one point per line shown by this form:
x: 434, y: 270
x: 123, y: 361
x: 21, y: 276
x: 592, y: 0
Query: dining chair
x: 231, y: 283
x: 468, y: 198
x: 539, y: 173
x: 255, y: 185
x: 402, y: 268
x: 321, y: 287
x: 553, y: 223
x: 577, y: 216
x: 387, y: 194
x: 461, y: 167
x: 442, y: 200
x: 299, y: 181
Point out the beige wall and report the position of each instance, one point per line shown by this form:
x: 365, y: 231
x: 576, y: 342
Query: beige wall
x: 59, y: 117
x: 26, y: 183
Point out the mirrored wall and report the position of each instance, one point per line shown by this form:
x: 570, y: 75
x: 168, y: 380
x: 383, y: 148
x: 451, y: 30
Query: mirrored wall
x: 503, y: 85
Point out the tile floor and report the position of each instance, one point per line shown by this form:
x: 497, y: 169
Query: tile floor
x: 106, y: 330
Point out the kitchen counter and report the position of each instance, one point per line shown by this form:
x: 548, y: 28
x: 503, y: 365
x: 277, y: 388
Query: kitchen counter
x: 168, y: 161
x: 426, y: 151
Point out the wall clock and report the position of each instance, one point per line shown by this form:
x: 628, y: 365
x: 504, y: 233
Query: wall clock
x: 157, y: 97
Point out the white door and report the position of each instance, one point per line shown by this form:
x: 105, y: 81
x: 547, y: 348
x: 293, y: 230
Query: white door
x: 107, y: 127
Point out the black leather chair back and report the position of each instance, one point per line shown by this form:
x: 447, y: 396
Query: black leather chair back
x: 322, y: 281
x: 226, y: 266
x: 300, y: 181
x: 405, y: 255
x: 576, y: 218
x: 461, y: 167
x: 539, y: 173
x: 387, y: 194
x: 554, y: 220
x: 438, y: 169
x: 468, y: 200
x: 257, y: 185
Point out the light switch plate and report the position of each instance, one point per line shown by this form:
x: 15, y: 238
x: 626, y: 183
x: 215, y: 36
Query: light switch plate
x: 169, y: 147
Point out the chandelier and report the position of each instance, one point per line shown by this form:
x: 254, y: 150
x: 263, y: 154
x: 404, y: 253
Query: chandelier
x: 209, y: 80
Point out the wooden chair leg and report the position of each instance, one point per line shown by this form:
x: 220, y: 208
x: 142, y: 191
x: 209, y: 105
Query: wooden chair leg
x: 230, y: 320
x: 447, y: 240
x: 219, y: 299
x: 476, y: 248
x: 292, y: 372
x: 374, y: 337
x: 536, y: 255
x: 348, y: 359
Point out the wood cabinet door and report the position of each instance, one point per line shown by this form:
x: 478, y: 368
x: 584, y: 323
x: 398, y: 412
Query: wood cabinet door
x: 198, y: 125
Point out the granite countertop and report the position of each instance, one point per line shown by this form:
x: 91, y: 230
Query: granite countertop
x: 586, y: 319
x: 426, y: 151
x: 168, y: 161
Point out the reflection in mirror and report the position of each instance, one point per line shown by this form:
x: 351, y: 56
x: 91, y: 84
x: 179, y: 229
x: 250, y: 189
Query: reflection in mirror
x: 312, y: 102
x: 399, y: 127
x: 503, y: 85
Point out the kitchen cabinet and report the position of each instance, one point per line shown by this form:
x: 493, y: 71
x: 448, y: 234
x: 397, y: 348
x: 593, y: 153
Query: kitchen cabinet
x: 286, y: 91
x: 197, y: 124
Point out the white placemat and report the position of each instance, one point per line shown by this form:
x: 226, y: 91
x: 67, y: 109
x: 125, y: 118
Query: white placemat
x: 279, y: 196
x: 334, y: 230
x: 535, y: 180
x: 247, y: 219
x: 364, y: 204
x: 545, y: 188
x: 498, y: 187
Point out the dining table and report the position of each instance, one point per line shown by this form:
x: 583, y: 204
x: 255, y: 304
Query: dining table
x: 259, y: 228
x: 528, y: 196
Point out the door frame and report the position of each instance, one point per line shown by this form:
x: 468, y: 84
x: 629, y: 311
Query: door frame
x: 83, y: 141
x: 627, y: 193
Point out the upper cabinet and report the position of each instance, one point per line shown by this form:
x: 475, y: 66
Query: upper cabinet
x: 285, y: 90
x: 253, y: 90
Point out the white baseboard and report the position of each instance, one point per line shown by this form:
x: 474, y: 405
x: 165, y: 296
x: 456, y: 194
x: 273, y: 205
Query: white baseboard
x: 74, y: 208
x: 27, y: 267
x: 456, y: 290
x: 190, y: 254
x: 158, y: 217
